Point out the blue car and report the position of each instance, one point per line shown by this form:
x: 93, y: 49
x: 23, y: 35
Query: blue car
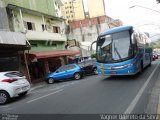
x: 65, y: 72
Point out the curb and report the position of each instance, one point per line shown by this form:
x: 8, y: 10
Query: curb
x: 37, y: 85
x: 158, y: 108
x: 153, y: 103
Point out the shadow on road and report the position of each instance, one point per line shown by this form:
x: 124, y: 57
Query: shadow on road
x: 126, y: 77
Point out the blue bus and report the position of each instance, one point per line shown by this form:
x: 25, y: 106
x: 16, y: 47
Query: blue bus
x: 123, y: 51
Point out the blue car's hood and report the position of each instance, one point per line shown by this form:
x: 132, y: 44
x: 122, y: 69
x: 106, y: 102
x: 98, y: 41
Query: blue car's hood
x: 50, y: 74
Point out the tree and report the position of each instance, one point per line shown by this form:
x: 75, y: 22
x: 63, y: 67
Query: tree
x: 94, y: 55
x: 158, y: 1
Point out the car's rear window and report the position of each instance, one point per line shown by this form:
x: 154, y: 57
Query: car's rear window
x: 87, y: 62
x: 14, y: 74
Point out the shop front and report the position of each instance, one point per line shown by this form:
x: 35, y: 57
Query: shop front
x: 42, y: 63
x: 12, y: 50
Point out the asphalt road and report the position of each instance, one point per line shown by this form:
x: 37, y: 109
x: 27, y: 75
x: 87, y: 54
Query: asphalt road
x: 90, y: 95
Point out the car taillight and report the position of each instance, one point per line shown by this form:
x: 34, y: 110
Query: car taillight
x: 9, y: 80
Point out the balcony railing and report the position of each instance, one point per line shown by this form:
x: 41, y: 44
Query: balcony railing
x: 34, y: 35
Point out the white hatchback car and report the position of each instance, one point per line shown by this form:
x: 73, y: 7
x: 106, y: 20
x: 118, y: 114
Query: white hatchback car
x: 12, y: 83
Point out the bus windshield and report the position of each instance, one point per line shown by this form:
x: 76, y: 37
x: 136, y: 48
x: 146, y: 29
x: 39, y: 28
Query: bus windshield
x: 114, y: 47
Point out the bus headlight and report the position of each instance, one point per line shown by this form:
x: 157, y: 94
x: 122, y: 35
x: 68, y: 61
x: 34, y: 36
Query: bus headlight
x: 119, y: 67
x: 122, y: 67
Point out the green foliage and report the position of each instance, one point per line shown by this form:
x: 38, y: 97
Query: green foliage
x: 155, y: 44
x: 94, y: 55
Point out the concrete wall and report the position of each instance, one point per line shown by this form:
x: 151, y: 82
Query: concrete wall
x: 88, y: 29
x: 3, y: 17
x: 88, y: 33
x: 78, y: 10
x: 38, y: 21
x: 96, y: 8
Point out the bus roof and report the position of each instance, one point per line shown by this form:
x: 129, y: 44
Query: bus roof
x: 116, y: 29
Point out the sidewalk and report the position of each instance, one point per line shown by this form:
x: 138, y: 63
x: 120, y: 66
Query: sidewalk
x: 38, y: 85
x: 153, y: 106
x: 158, y: 93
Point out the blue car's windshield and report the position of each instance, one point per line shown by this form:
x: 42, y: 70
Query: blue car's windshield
x: 65, y: 67
x: 62, y: 68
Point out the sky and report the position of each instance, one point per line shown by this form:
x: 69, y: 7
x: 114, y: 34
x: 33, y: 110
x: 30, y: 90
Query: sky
x: 144, y: 19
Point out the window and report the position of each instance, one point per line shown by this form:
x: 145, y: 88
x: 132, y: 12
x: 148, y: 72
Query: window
x: 54, y: 45
x: 14, y: 74
x: 29, y: 25
x: 69, y: 67
x: 44, y: 27
x: 56, y: 29
x: 56, y: 3
x: 34, y: 45
x: 61, y: 69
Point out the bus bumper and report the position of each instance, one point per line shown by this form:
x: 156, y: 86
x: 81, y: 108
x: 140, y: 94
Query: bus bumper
x: 127, y: 71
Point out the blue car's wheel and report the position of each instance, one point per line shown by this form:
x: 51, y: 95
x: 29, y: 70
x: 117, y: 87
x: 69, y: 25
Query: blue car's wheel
x: 50, y: 80
x: 77, y: 76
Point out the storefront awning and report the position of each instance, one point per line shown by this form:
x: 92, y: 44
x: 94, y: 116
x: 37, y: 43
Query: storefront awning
x: 13, y: 41
x: 49, y: 54
x: 12, y: 38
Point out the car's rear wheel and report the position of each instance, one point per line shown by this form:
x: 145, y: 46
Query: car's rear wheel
x: 50, y: 81
x: 77, y: 76
x: 4, y: 97
x: 23, y: 94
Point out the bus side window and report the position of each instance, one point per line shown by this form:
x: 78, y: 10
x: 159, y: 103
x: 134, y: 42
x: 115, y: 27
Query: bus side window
x: 140, y: 41
x: 134, y: 41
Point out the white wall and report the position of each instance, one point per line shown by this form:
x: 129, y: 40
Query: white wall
x: 90, y: 33
x: 38, y: 21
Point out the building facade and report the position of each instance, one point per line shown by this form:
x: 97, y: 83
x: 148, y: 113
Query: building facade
x: 44, y: 27
x: 12, y: 45
x: 73, y: 10
x: 82, y: 9
x: 96, y: 8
